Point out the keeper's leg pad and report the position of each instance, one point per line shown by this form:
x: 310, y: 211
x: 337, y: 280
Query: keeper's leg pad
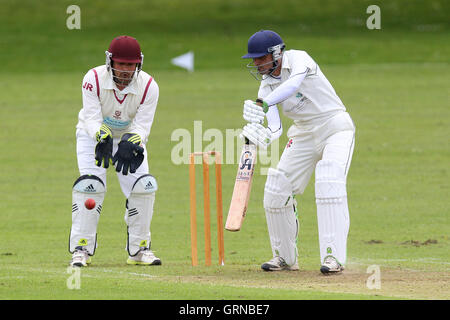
x: 84, y: 221
x: 139, y: 212
x: 332, y: 210
x: 281, y: 216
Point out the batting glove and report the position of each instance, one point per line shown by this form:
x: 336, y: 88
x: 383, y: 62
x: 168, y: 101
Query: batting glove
x: 253, y: 112
x: 130, y: 154
x: 104, y: 147
x: 257, y: 134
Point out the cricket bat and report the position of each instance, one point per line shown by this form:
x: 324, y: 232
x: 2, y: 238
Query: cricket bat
x: 242, y: 187
x: 243, y: 184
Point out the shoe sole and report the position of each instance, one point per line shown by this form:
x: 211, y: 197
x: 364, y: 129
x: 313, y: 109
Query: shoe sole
x: 327, y: 271
x: 140, y: 263
x: 272, y: 268
x: 80, y: 265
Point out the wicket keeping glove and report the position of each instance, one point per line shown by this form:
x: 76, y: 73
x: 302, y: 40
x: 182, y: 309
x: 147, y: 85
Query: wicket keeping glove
x: 258, y: 134
x: 104, y: 147
x: 130, y: 154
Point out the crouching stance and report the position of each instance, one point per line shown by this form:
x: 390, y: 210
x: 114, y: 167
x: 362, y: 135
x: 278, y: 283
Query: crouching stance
x: 321, y: 140
x: 119, y: 103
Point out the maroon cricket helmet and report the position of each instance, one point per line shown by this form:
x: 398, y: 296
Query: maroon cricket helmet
x: 125, y: 49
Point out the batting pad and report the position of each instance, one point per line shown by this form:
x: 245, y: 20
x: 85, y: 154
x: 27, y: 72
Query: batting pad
x: 281, y: 217
x: 277, y: 191
x: 139, y: 213
x: 84, y: 221
x: 332, y: 210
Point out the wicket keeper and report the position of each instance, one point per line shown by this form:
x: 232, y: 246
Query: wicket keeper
x: 321, y: 139
x: 119, y: 104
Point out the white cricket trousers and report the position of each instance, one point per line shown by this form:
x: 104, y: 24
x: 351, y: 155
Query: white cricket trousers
x: 331, y: 140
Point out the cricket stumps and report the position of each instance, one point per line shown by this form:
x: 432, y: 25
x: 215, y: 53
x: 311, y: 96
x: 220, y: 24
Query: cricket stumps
x: 206, y: 206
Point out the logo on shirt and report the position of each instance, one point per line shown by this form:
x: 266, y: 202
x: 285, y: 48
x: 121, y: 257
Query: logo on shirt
x: 117, y: 114
x: 87, y: 86
x: 288, y: 145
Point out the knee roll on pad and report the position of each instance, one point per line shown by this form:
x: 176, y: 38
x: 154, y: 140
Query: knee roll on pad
x: 277, y: 191
x: 139, y: 213
x: 145, y: 184
x: 330, y: 180
x: 84, y: 221
x: 89, y: 184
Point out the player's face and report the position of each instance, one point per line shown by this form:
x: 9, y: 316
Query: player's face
x: 123, y: 72
x: 263, y: 63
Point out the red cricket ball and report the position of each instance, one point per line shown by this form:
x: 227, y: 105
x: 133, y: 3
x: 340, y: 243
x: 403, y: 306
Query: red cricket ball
x: 90, y: 203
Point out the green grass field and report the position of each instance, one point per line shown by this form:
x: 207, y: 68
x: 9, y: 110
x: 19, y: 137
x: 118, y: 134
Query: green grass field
x: 394, y: 83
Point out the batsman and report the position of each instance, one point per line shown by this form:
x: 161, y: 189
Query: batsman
x: 119, y: 104
x: 320, y: 140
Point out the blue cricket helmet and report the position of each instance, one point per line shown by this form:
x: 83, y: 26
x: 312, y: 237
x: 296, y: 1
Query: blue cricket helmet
x: 262, y: 43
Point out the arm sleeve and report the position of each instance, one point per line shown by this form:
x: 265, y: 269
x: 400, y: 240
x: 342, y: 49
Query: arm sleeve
x: 272, y: 115
x: 142, y: 122
x: 274, y: 122
x: 286, y: 89
x: 92, y: 110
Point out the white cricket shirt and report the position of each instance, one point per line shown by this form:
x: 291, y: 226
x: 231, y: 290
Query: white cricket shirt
x: 315, y: 99
x: 130, y: 110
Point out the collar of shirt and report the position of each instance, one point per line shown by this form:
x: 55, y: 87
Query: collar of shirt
x: 110, y: 84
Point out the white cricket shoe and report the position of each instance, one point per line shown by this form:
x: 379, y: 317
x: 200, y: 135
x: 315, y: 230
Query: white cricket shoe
x: 80, y: 258
x: 331, y: 266
x: 277, y: 264
x: 144, y: 257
